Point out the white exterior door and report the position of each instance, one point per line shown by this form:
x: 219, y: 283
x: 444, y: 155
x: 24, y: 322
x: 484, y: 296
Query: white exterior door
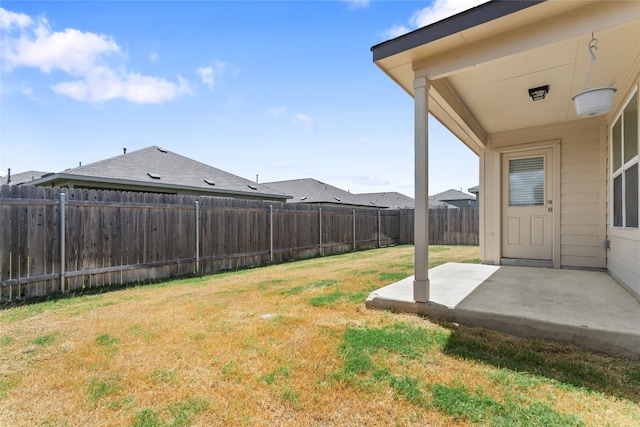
x: 527, y: 205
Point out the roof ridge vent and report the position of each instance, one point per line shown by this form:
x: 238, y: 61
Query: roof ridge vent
x: 162, y: 150
x: 153, y: 175
x: 253, y: 187
x: 210, y: 182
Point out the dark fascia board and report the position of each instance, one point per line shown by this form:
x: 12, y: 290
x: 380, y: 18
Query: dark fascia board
x: 66, y: 179
x: 462, y: 21
x: 342, y: 205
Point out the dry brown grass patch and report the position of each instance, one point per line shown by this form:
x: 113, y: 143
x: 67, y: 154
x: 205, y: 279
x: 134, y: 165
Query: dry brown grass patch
x: 266, y: 347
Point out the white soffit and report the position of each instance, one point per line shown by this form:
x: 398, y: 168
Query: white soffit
x: 489, y: 68
x: 400, y: 66
x: 496, y: 92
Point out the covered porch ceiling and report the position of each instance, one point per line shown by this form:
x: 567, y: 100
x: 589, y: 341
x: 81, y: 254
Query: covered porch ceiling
x: 481, y: 63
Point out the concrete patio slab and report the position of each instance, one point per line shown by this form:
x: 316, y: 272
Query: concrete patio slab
x: 585, y: 308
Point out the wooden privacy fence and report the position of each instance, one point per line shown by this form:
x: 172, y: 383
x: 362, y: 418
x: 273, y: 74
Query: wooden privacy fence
x: 446, y: 226
x: 454, y: 226
x: 54, y: 240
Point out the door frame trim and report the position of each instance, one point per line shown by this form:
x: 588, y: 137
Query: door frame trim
x: 555, y: 145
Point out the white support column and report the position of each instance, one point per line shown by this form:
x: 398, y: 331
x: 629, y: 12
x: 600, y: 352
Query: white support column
x: 421, y: 156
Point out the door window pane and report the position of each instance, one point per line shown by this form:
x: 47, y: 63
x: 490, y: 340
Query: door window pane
x: 617, y: 201
x: 526, y: 181
x: 631, y: 196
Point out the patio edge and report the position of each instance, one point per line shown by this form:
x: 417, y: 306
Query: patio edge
x: 608, y: 342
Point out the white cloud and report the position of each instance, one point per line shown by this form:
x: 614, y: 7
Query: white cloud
x: 357, y: 4
x: 153, y: 57
x: 206, y: 74
x: 298, y: 119
x: 396, y: 31
x: 11, y: 20
x: 439, y: 10
x: 71, y: 51
x: 27, y: 91
x: 276, y: 111
x: 95, y: 60
x: 104, y: 84
x: 304, y: 120
x: 236, y: 100
x: 210, y: 74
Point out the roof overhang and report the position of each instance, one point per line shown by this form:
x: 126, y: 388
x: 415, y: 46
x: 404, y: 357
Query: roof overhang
x: 481, y: 62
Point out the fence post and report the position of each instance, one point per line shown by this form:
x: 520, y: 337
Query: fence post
x: 320, y: 232
x: 354, y: 229
x: 270, y: 233
x: 62, y: 240
x: 378, y: 228
x: 197, y: 206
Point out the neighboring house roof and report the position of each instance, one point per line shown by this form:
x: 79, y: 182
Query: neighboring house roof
x: 22, y: 177
x: 439, y: 204
x: 391, y: 200
x: 452, y: 195
x: 154, y: 169
x: 474, y: 190
x: 309, y: 190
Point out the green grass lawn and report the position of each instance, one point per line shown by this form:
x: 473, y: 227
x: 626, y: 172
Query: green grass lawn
x: 292, y: 345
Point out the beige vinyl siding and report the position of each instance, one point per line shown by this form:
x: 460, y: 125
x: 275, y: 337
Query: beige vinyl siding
x: 583, y: 190
x: 623, y: 261
x: 490, y: 228
x: 581, y: 201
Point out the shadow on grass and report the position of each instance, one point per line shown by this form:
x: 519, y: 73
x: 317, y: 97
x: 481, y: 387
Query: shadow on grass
x: 74, y: 295
x: 62, y: 297
x: 564, y: 364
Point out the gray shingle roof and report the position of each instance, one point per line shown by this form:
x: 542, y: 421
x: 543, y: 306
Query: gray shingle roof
x: 309, y: 190
x: 22, y: 177
x: 436, y: 204
x: 391, y: 199
x: 155, y: 167
x: 452, y: 195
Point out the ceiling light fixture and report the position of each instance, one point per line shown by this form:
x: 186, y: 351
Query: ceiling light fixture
x: 538, y: 93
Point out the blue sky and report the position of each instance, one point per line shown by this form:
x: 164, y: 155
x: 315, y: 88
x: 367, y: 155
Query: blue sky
x: 282, y: 90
